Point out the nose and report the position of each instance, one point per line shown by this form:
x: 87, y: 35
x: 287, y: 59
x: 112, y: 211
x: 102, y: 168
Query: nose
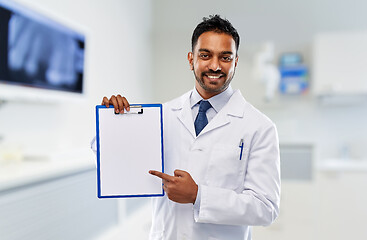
x: 214, y: 64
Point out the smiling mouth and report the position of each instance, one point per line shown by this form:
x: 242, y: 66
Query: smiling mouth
x: 214, y: 77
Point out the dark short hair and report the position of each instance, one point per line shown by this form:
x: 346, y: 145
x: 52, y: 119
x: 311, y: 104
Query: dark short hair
x: 216, y: 24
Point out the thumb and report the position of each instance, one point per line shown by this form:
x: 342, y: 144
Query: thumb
x: 180, y: 173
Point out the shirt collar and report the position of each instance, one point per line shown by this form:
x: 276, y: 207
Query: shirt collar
x: 218, y: 101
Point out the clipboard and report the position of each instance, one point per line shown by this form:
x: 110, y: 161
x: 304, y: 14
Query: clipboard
x: 128, y: 146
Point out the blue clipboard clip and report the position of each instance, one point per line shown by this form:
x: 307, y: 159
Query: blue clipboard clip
x: 134, y: 109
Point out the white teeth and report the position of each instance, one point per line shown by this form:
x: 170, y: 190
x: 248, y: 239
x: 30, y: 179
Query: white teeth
x: 214, y: 77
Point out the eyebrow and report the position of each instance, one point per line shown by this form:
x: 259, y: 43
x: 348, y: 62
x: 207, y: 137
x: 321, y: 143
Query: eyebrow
x: 206, y: 50
x: 227, y: 52
x: 203, y: 50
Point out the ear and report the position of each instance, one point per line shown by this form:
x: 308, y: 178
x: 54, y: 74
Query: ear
x: 236, y: 61
x: 190, y: 58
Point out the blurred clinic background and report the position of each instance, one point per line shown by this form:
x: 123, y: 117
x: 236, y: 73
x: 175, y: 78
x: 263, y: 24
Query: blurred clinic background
x: 302, y: 63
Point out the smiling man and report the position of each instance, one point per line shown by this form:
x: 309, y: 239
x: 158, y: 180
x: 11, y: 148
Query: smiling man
x: 221, y: 154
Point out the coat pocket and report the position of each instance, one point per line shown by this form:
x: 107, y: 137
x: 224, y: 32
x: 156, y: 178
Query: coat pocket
x: 226, y: 168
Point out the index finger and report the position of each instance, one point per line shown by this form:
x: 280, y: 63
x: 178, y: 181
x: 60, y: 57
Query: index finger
x: 161, y: 175
x: 126, y: 103
x: 105, y: 102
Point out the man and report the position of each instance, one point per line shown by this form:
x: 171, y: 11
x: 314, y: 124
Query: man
x: 221, y: 154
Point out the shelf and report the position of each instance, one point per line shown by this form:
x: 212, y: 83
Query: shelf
x: 342, y: 99
x: 341, y: 165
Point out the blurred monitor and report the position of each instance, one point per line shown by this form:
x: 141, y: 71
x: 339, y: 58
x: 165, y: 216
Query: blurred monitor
x: 39, y: 58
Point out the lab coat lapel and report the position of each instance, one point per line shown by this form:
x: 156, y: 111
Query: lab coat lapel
x: 234, y: 108
x: 185, y: 116
x: 219, y: 120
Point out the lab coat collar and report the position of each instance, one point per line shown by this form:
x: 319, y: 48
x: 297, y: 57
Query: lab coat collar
x: 234, y: 107
x: 218, y: 101
x: 231, y: 106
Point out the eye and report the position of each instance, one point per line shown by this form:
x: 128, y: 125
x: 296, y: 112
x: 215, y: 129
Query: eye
x: 204, y: 55
x: 227, y: 58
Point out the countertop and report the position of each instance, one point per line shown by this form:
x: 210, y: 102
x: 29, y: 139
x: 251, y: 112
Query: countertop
x: 27, y: 172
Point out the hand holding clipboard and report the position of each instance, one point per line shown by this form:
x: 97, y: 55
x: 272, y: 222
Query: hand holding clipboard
x: 119, y: 103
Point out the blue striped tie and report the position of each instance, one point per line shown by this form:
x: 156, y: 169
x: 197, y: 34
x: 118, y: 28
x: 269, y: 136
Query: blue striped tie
x: 201, y: 120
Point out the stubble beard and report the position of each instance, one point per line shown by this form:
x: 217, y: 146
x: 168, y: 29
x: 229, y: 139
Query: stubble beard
x: 201, y: 82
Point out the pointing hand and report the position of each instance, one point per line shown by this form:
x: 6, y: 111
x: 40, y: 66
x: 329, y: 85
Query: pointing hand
x: 180, y: 188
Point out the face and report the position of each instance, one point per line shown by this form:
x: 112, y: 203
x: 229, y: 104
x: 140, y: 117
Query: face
x: 213, y: 62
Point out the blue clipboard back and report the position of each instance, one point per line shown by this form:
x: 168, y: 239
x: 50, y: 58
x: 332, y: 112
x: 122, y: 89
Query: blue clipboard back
x: 128, y: 146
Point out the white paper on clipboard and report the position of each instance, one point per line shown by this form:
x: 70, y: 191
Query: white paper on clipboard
x: 128, y: 146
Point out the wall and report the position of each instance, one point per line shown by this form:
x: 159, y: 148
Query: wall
x: 117, y: 61
x: 291, y: 26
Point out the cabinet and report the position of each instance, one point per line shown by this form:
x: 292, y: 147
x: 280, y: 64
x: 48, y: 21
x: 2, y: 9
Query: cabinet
x: 58, y: 206
x: 339, y: 64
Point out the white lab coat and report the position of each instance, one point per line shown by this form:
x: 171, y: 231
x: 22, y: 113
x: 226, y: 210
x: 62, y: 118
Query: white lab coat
x: 234, y: 194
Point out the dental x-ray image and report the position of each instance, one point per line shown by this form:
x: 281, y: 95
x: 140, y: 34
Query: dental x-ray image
x: 40, y: 55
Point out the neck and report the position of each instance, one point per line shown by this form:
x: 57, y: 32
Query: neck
x: 205, y: 94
